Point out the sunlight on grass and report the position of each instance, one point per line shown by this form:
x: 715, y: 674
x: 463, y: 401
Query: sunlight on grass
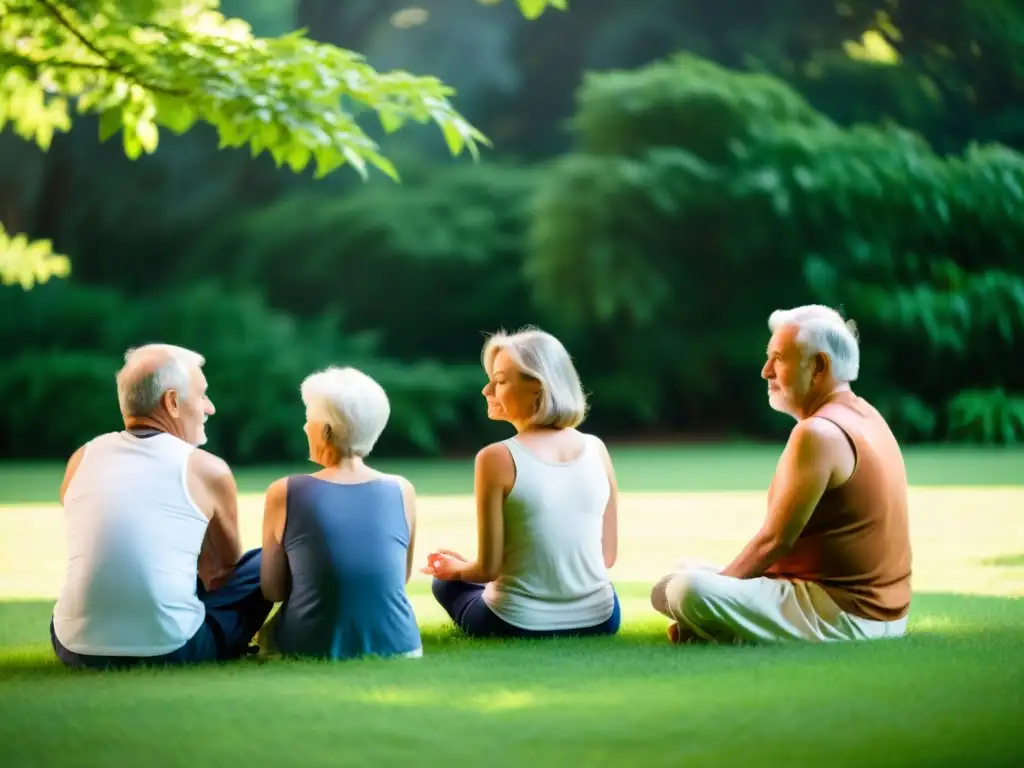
x: 954, y: 531
x: 1005, y: 561
x: 501, y: 701
x: 397, y: 696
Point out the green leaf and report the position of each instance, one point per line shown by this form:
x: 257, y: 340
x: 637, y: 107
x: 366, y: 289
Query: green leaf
x: 533, y: 9
x: 111, y: 122
x: 453, y: 137
x: 175, y: 113
x: 132, y: 145
x: 147, y: 134
x: 384, y: 165
x: 298, y: 157
x: 327, y: 161
x: 389, y: 121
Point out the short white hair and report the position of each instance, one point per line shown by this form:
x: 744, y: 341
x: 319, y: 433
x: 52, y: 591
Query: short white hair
x: 823, y: 330
x: 141, y: 383
x: 541, y: 356
x: 352, y: 404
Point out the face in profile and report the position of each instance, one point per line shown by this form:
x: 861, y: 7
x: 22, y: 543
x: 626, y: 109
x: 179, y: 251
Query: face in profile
x: 788, y: 371
x: 511, y: 395
x: 194, y: 410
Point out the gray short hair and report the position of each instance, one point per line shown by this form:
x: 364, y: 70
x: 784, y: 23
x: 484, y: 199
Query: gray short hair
x: 354, y: 405
x: 822, y: 329
x: 543, y: 357
x: 139, y: 389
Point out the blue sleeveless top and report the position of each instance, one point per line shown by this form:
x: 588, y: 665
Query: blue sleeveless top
x: 346, y: 547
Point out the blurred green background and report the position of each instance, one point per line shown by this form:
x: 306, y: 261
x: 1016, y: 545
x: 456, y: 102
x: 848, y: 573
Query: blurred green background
x: 663, y: 175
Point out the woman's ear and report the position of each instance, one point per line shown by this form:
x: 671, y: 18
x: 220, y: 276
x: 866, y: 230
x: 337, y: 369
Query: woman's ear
x: 821, y: 364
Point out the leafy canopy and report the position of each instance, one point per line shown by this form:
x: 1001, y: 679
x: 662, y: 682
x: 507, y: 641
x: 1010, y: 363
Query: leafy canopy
x: 147, y: 65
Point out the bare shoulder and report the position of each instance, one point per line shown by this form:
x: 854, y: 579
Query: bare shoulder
x: 277, y: 490
x: 494, y: 463
x: 75, y: 459
x: 406, y: 486
x: 818, y: 438
x: 494, y: 456
x: 211, y: 470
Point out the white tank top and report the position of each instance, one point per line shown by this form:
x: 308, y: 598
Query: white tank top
x: 553, y: 575
x: 133, y: 540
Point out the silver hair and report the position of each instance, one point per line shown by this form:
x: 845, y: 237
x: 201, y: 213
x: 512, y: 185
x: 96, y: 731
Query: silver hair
x: 543, y: 357
x: 352, y: 404
x: 823, y: 330
x: 140, y: 395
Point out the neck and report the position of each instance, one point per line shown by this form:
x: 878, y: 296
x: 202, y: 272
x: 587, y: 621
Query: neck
x: 818, y: 399
x: 348, y: 464
x: 158, y: 422
x: 522, y: 427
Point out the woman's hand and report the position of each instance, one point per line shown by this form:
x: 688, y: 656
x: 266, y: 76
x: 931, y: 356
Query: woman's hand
x: 445, y: 565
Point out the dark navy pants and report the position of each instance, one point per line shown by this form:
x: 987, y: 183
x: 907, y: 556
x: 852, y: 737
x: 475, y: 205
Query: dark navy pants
x: 235, y: 611
x: 465, y: 603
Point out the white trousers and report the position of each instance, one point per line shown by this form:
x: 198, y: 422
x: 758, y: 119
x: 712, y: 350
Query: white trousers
x: 723, y: 609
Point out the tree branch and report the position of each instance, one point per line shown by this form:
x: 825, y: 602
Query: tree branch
x: 56, y: 13
x: 17, y: 58
x: 110, y: 65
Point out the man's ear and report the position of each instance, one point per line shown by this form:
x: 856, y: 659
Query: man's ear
x: 171, y: 403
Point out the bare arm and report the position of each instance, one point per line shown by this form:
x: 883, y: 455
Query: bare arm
x: 494, y: 472
x: 409, y: 501
x: 69, y: 471
x: 610, y: 524
x: 273, y: 562
x: 805, y: 471
x: 217, y: 493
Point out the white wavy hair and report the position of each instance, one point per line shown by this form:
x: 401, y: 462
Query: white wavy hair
x: 541, y: 356
x: 823, y: 330
x: 139, y: 395
x: 353, y: 404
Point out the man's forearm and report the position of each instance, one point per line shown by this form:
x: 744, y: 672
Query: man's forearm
x: 757, y: 557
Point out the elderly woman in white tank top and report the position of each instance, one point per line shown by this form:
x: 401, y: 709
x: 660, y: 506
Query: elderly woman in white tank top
x: 546, y: 507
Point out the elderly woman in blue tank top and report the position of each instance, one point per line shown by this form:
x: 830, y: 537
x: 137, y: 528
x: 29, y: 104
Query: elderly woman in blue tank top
x: 546, y: 507
x: 338, y: 543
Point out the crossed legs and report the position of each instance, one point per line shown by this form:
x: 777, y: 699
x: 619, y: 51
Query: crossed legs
x: 707, y: 606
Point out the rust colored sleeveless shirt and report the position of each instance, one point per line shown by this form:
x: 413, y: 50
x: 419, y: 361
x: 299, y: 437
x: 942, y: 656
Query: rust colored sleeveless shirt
x: 857, y: 543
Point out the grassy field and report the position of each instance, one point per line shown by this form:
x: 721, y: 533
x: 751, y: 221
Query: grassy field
x: 952, y: 692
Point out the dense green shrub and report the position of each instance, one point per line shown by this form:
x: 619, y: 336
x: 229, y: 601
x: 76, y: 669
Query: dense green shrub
x: 58, y: 373
x: 700, y: 199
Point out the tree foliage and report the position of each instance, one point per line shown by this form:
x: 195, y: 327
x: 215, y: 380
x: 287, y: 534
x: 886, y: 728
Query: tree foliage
x: 28, y: 264
x: 700, y: 199
x: 143, y: 66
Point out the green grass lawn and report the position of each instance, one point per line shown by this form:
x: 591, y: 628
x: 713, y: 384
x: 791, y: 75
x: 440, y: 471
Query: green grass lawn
x: 950, y: 693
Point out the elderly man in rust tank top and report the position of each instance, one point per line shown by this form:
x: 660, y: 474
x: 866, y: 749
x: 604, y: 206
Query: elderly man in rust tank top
x: 832, y: 559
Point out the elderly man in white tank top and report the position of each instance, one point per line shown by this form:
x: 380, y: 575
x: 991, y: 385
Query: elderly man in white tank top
x: 546, y: 507
x: 156, y: 572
